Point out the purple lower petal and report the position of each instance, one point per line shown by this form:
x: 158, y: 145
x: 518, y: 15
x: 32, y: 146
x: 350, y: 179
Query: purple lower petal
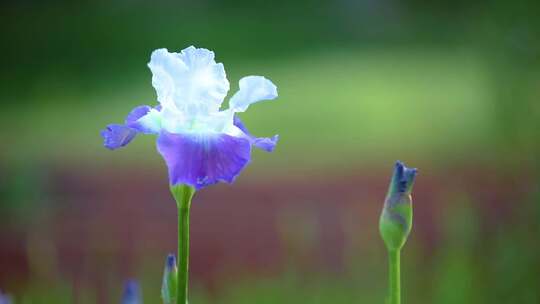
x: 200, y: 161
x: 137, y: 113
x: 116, y: 136
x: 263, y: 143
x: 133, y: 117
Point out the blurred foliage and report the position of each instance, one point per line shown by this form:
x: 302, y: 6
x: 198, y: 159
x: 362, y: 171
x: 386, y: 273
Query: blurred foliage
x: 461, y: 77
x: 465, y: 268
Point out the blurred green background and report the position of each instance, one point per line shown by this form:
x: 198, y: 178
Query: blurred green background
x: 450, y: 87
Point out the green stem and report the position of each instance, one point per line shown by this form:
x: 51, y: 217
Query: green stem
x: 183, y: 195
x: 394, y: 296
x: 183, y: 254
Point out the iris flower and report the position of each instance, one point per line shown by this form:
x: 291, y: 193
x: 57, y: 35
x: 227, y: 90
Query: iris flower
x: 201, y: 144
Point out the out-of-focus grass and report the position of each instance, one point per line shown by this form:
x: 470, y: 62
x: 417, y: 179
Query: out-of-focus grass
x: 354, y: 85
x: 468, y: 266
x: 333, y: 106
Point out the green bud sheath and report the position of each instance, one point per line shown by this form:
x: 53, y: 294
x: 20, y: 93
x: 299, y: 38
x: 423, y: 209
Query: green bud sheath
x: 395, y: 224
x: 169, y: 287
x: 396, y: 218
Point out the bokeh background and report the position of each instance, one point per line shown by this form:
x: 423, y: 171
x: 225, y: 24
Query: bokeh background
x: 450, y: 87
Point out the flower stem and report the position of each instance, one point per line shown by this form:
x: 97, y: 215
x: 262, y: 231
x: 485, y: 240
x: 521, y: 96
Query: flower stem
x: 183, y: 195
x: 394, y: 295
x: 183, y: 254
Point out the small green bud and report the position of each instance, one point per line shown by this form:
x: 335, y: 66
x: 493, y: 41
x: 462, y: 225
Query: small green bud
x: 170, y: 276
x: 396, y: 218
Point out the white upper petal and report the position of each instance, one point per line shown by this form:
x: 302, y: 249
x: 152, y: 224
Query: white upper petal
x: 209, y: 123
x: 174, y: 121
x: 252, y: 89
x: 151, y: 122
x: 165, y: 68
x: 191, y: 86
x: 190, y: 81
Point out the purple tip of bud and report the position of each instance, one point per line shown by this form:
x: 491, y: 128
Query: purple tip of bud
x: 132, y: 293
x: 171, y: 262
x: 403, y: 178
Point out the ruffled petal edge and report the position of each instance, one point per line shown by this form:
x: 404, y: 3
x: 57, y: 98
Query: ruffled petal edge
x: 252, y: 89
x: 267, y: 144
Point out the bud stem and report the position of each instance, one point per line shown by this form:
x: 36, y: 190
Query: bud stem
x: 183, y: 195
x: 394, y: 295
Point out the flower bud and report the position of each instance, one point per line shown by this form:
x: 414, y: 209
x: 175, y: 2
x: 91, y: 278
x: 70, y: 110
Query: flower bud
x: 396, y: 218
x: 132, y: 293
x: 170, y: 277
